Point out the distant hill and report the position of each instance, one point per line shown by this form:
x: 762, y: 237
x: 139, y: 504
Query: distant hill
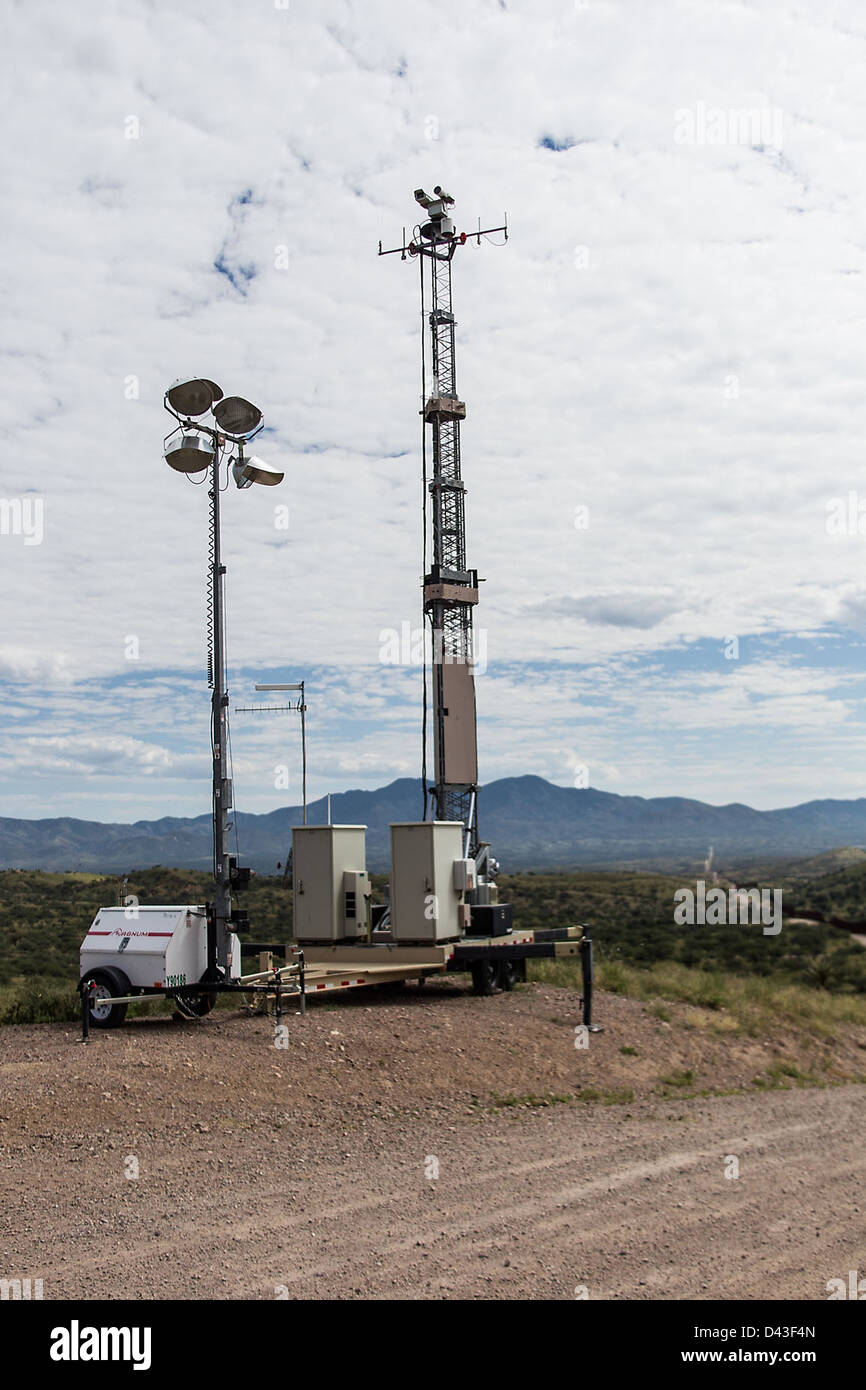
x: 530, y: 823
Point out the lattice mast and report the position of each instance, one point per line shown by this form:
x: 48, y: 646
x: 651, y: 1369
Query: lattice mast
x: 450, y: 587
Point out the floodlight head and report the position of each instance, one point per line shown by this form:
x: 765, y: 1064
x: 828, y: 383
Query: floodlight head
x: 247, y: 471
x: 237, y: 417
x: 440, y: 193
x: 191, y: 452
x: 193, y: 395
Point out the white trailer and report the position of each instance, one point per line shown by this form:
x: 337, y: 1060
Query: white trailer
x: 133, y: 951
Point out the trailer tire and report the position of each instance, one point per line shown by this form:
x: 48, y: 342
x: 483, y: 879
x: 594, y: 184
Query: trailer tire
x: 108, y: 982
x: 485, y: 977
x: 509, y: 973
x: 194, y: 1005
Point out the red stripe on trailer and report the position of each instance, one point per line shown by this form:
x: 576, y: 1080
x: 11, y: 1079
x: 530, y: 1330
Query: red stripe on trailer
x: 118, y: 931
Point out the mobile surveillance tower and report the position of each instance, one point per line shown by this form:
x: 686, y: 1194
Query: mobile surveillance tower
x: 343, y: 940
x: 450, y: 587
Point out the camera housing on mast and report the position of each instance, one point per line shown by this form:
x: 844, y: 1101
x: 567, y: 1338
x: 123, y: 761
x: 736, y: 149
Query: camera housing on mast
x: 440, y: 227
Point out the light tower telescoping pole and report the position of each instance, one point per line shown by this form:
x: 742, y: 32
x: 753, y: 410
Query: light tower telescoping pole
x: 450, y: 588
x: 221, y: 786
x: 195, y: 448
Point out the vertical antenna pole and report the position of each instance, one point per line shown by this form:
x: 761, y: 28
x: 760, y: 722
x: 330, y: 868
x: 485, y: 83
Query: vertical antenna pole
x: 304, y: 750
x: 218, y: 942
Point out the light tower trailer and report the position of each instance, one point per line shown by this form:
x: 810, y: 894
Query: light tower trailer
x: 135, y: 953
x: 189, y: 953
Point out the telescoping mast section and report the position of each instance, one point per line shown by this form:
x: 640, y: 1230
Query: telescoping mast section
x: 450, y: 587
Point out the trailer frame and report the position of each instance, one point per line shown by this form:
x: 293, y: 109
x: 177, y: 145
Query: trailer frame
x: 318, y: 968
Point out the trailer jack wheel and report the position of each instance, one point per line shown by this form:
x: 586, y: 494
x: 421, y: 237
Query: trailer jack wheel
x: 194, y: 1005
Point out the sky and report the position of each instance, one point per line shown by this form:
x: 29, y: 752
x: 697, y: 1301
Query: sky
x: 664, y: 442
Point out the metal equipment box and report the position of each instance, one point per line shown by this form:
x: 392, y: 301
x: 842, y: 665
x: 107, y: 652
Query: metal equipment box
x: 322, y: 857
x: 424, y: 901
x: 491, y: 919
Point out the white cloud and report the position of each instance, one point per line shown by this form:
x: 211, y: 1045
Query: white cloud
x: 670, y: 339
x: 106, y: 756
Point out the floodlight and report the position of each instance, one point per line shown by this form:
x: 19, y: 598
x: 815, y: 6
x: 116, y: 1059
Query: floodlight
x: 247, y: 471
x: 193, y: 395
x: 190, y: 453
x: 235, y: 416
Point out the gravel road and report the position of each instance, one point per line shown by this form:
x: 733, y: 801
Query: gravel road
x: 426, y: 1145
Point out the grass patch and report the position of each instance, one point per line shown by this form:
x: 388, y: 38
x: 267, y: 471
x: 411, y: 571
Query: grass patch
x: 629, y: 1051
x: 787, y: 1071
x: 605, y: 1095
x: 589, y: 1095
x: 678, y: 1078
x: 611, y: 975
x: 705, y: 1021
x: 38, y: 1001
x: 755, y: 1005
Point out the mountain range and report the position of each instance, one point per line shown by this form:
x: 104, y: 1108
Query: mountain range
x: 530, y: 823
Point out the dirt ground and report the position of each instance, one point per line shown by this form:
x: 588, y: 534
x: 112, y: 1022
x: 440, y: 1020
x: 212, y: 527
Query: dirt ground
x: 430, y: 1144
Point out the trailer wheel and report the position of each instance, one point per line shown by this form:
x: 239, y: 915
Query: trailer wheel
x: 509, y: 973
x: 108, y: 982
x: 485, y: 977
x: 194, y: 1005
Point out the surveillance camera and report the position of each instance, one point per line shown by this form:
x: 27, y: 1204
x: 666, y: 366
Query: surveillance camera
x: 440, y: 193
x: 239, y: 474
x: 422, y: 198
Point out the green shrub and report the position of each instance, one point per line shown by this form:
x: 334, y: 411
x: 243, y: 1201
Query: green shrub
x: 36, y: 1001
